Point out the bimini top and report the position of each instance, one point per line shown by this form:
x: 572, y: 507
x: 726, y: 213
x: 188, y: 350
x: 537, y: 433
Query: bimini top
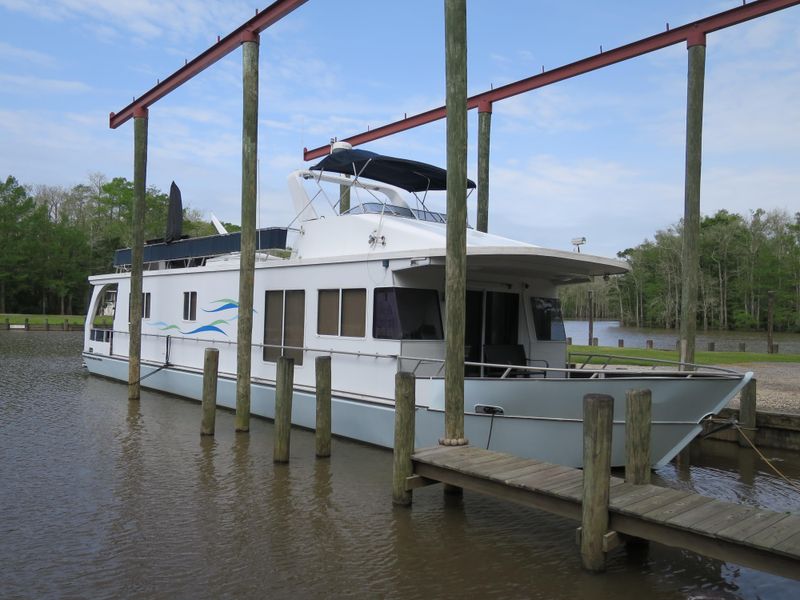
x: 410, y: 175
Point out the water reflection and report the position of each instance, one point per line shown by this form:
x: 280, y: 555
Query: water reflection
x: 106, y: 498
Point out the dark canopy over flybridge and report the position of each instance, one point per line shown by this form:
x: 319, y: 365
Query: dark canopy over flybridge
x: 410, y: 175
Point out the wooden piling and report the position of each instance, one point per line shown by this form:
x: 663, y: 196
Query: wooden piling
x: 484, y: 144
x: 322, y: 433
x: 247, y: 254
x: 742, y: 346
x: 344, y: 198
x: 649, y: 344
x: 690, y: 254
x: 8, y: 323
x: 638, y: 413
x: 711, y: 346
x: 65, y: 326
x: 595, y: 341
x: 598, y: 412
x: 27, y: 324
x: 46, y: 325
x: 404, y: 412
x: 455, y: 26
x: 284, y: 381
x: 747, y: 412
x: 210, y: 368
x: 591, y: 316
x: 770, y: 314
x: 620, y: 343
x: 140, y: 119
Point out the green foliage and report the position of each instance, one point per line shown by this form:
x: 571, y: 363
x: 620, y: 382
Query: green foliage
x: 741, y: 260
x: 53, y: 238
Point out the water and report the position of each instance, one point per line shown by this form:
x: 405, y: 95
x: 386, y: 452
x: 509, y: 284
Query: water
x: 608, y: 332
x: 100, y: 498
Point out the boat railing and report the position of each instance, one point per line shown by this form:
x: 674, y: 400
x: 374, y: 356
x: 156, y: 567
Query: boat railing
x: 686, y: 370
x: 617, y: 360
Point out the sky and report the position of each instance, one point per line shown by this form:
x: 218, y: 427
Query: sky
x: 599, y: 156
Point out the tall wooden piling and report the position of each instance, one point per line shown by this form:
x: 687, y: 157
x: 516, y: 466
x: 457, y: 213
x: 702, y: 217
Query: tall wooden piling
x: 210, y: 369
x: 484, y: 145
x: 137, y: 251
x: 284, y: 382
x: 591, y: 316
x: 322, y: 432
x: 247, y: 255
x: 344, y: 199
x: 402, y: 468
x: 455, y: 26
x: 598, y: 412
x: 690, y: 254
x: 638, y: 418
x: 747, y: 412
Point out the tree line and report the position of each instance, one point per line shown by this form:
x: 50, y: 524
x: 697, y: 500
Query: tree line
x: 52, y: 238
x: 742, y: 259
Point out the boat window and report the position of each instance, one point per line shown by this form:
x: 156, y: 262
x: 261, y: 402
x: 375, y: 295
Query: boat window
x: 406, y: 314
x: 502, y: 318
x: 284, y: 325
x: 328, y: 312
x: 427, y: 215
x: 354, y: 312
x: 145, y: 306
x: 547, y: 320
x: 189, y: 306
x: 376, y: 208
x: 350, y: 321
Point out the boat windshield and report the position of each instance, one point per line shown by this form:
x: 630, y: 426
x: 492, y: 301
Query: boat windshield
x: 376, y: 208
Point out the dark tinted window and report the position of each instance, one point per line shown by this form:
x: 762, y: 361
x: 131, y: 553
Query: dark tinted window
x: 406, y: 314
x: 547, y: 319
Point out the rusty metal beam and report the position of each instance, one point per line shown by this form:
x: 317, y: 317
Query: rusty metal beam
x: 273, y: 13
x: 690, y: 32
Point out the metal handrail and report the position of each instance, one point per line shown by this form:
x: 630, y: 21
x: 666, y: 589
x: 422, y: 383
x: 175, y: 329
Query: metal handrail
x: 506, y: 367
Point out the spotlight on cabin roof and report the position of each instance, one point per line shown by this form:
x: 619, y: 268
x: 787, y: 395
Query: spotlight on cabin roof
x: 578, y: 242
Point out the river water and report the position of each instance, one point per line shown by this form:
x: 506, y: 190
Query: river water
x: 609, y: 332
x: 102, y: 498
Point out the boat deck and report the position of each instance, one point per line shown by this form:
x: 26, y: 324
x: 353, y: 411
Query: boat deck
x: 746, y: 535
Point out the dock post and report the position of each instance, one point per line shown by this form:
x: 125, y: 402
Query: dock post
x: 591, y: 316
x: 284, y: 381
x: 742, y: 346
x: 404, y: 409
x: 247, y: 254
x: 747, y: 413
x: 46, y: 325
x: 770, y: 320
x: 711, y: 346
x: 8, y: 323
x: 595, y: 341
x: 210, y: 367
x: 598, y: 412
x: 27, y: 324
x: 140, y: 119
x: 484, y: 143
x: 638, y: 411
x: 690, y: 250
x: 455, y: 32
x: 620, y: 343
x: 322, y: 434
x: 649, y: 344
x: 66, y: 325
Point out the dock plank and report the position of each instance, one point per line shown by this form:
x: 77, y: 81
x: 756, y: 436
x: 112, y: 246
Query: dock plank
x: 745, y: 535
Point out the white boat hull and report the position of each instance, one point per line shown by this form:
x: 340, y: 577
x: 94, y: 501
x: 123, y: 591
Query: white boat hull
x: 552, y: 431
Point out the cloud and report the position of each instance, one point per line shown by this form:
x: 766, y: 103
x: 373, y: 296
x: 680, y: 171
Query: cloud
x: 26, y: 84
x: 33, y: 57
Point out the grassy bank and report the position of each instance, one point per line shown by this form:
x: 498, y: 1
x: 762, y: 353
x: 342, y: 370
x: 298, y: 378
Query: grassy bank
x: 703, y: 358
x: 37, y: 320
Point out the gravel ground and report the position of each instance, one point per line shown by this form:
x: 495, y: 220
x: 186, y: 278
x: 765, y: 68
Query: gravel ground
x: 778, y: 387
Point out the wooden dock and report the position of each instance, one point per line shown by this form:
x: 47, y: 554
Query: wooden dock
x: 749, y: 536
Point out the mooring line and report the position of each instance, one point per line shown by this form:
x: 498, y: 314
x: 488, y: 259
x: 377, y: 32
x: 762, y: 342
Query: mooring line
x: 766, y: 460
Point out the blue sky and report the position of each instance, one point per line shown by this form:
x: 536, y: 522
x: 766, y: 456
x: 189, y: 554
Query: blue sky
x: 599, y: 156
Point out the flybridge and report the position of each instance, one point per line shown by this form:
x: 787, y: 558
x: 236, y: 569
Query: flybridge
x: 188, y: 250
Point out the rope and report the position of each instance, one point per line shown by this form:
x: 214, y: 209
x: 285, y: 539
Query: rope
x: 766, y: 460
x: 164, y: 366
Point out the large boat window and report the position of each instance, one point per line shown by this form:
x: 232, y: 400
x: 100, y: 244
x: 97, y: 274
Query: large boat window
x: 547, y: 320
x: 376, y: 208
x: 406, y: 314
x: 284, y: 324
x: 350, y: 321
